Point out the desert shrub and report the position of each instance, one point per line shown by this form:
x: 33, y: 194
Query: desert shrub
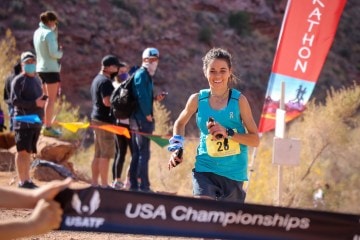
x: 8, y: 58
x: 163, y: 125
x: 81, y: 160
x: 329, y: 135
x: 240, y: 22
x: 20, y: 22
x: 65, y: 112
x: 205, y: 35
x: 16, y: 5
x: 176, y: 180
x: 126, y: 5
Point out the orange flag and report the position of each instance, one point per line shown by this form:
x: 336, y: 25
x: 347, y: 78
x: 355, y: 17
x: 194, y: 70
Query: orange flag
x: 115, y: 129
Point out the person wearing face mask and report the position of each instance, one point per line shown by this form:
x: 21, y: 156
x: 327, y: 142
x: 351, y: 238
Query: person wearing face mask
x: 101, y: 89
x: 27, y: 98
x: 121, y: 142
x: 142, y: 120
x: 48, y: 53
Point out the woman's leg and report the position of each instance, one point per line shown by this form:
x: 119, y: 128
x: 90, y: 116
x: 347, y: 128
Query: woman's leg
x: 51, y: 90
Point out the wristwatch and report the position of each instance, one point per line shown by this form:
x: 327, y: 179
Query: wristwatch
x: 230, y: 133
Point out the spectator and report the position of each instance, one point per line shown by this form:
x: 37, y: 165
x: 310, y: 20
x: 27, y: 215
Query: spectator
x: 47, y: 213
x: 101, y: 89
x: 121, y: 142
x: 7, y: 91
x: 48, y: 67
x: 142, y: 120
x: 222, y: 155
x: 27, y: 98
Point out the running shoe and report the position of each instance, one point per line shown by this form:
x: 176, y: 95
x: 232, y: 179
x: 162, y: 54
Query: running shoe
x: 117, y: 185
x: 27, y: 184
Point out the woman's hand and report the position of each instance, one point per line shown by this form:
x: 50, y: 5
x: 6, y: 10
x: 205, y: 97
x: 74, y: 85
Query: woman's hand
x: 216, y: 130
x: 175, y: 158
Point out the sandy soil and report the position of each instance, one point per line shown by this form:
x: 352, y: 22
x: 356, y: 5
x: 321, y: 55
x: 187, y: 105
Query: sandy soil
x: 9, y: 179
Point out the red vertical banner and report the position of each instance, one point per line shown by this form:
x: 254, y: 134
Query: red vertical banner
x: 307, y: 32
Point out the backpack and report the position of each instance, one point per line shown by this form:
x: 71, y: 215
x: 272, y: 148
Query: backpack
x: 122, y: 101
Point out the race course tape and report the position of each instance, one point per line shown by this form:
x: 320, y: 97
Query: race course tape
x: 120, y: 211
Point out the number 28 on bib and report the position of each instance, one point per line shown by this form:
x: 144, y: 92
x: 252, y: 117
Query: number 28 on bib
x: 221, y: 148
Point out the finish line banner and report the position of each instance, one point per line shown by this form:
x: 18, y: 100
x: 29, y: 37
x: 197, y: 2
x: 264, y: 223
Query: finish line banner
x: 108, y: 210
x: 307, y: 32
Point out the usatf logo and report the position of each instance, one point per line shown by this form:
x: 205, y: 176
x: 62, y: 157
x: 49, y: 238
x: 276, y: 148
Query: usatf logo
x: 94, y: 204
x: 81, y: 209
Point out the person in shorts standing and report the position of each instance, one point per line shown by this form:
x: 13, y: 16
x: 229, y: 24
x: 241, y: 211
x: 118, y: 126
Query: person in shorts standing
x: 27, y: 98
x: 101, y: 89
x: 48, y: 53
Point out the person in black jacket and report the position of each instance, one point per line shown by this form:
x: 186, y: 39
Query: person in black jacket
x: 27, y: 98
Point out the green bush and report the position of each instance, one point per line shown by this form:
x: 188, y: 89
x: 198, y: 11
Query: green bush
x: 240, y: 22
x: 8, y: 58
x: 205, y: 35
x: 163, y: 125
x: 65, y: 112
x: 126, y: 6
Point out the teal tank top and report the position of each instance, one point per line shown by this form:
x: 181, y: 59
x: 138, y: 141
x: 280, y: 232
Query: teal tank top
x: 215, y: 156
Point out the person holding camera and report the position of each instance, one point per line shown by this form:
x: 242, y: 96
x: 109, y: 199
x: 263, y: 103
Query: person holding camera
x: 227, y: 128
x: 28, y: 99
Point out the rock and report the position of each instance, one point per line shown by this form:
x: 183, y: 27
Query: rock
x: 54, y: 150
x: 48, y: 171
x: 50, y: 149
x: 7, y: 161
x: 7, y: 140
x: 43, y: 173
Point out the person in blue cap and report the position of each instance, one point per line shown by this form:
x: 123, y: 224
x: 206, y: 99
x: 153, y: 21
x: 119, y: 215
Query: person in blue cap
x: 142, y: 120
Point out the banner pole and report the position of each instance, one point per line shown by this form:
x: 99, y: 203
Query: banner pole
x: 280, y: 133
x: 251, y: 168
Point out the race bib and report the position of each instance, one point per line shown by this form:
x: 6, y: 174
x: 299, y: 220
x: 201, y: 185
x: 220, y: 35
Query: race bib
x: 221, y: 148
